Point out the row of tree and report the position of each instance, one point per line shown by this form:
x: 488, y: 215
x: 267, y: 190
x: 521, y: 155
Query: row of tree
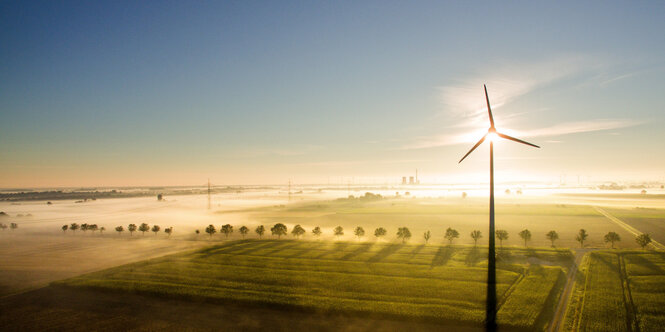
x: 404, y: 234
x: 11, y: 226
x: 131, y: 228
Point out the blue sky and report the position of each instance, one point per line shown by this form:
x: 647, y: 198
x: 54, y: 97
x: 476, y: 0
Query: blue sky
x: 152, y: 93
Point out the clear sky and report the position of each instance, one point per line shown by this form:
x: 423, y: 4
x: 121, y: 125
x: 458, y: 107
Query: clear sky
x: 245, y: 92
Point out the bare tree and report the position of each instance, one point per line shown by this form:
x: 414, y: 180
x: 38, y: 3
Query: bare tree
x: 501, y: 235
x: 581, y: 237
x: 612, y: 237
x: 260, y: 230
x: 451, y: 234
x: 552, y: 236
x: 427, y: 236
x: 403, y: 233
x: 525, y: 235
x: 243, y: 231
x: 359, y: 232
x: 476, y: 235
x: 643, y: 240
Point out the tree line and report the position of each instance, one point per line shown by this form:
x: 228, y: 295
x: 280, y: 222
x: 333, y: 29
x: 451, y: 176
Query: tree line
x: 73, y: 227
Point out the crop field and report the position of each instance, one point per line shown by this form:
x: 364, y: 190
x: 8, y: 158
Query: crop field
x: 429, y: 283
x: 647, y: 220
x: 620, y: 291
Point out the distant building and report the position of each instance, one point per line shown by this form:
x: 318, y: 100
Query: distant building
x: 412, y: 180
x: 404, y: 180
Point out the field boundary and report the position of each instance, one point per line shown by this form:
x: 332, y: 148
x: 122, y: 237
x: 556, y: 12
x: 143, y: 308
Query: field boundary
x: 631, y: 318
x: 628, y: 228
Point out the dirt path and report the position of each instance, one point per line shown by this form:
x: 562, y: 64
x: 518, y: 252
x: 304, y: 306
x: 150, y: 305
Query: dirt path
x: 627, y: 227
x: 561, y: 307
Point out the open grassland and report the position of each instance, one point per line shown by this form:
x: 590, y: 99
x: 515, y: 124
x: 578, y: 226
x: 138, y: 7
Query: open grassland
x: 439, y: 284
x: 435, y: 215
x: 620, y: 291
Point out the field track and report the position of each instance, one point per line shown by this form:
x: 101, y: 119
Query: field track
x: 628, y: 228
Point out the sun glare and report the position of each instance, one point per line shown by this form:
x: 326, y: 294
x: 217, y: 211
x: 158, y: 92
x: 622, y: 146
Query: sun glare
x: 492, y: 137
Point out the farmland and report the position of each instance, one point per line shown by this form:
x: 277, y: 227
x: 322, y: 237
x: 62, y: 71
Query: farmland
x: 437, y: 284
x: 620, y: 291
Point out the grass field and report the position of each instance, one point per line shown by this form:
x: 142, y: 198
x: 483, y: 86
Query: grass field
x: 415, y: 282
x: 620, y: 291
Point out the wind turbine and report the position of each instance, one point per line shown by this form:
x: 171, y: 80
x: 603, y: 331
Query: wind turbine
x: 490, y: 315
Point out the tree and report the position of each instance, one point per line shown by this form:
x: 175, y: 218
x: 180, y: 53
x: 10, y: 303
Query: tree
x: 119, y: 229
x: 144, y: 228
x: 643, y: 240
x: 93, y: 228
x: 84, y: 227
x: 160, y: 197
x: 155, y: 229
x: 197, y: 232
x: 102, y: 229
x: 380, y: 232
x: 131, y: 228
x: 476, y: 235
x: 260, y: 230
x: 211, y: 230
x: 501, y: 235
x: 279, y: 229
x: 338, y: 231
x: 552, y: 236
x: 64, y: 228
x: 243, y: 231
x: 74, y: 226
x: 359, y: 232
x: 451, y: 234
x: 297, y: 231
x: 612, y: 237
x: 168, y: 231
x: 427, y: 236
x: 227, y: 230
x: 13, y: 226
x: 404, y: 234
x: 525, y: 235
x: 3, y: 226
x: 581, y: 237
x: 316, y: 231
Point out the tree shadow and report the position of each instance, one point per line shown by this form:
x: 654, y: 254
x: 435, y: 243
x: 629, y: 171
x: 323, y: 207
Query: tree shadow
x: 337, y: 247
x: 415, y: 251
x: 474, y: 256
x: 385, y: 252
x: 244, y: 250
x: 360, y: 249
x: 443, y: 255
x: 305, y: 249
x: 282, y: 246
x: 639, y: 259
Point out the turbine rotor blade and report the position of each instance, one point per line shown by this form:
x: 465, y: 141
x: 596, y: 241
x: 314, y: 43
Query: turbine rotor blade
x: 473, y: 148
x: 489, y: 109
x: 516, y: 140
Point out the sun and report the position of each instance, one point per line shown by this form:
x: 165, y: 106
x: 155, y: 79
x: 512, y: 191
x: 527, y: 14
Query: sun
x: 492, y: 137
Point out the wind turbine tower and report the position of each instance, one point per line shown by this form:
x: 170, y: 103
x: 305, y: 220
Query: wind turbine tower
x: 492, y: 134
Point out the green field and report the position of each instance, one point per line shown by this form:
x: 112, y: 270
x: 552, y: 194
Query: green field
x: 442, y: 284
x: 620, y: 291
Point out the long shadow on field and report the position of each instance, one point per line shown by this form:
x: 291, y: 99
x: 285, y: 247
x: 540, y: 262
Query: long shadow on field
x: 337, y: 247
x: 474, y: 256
x: 640, y: 260
x: 205, y: 252
x: 305, y: 248
x: 266, y: 245
x: 385, y: 252
x: 614, y: 266
x: 283, y: 246
x: 415, y: 251
x: 443, y: 255
x: 359, y: 250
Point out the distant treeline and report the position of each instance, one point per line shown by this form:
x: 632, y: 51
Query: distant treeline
x: 93, y: 195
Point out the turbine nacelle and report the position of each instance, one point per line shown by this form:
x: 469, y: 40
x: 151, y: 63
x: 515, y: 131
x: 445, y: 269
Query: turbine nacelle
x: 492, y: 133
